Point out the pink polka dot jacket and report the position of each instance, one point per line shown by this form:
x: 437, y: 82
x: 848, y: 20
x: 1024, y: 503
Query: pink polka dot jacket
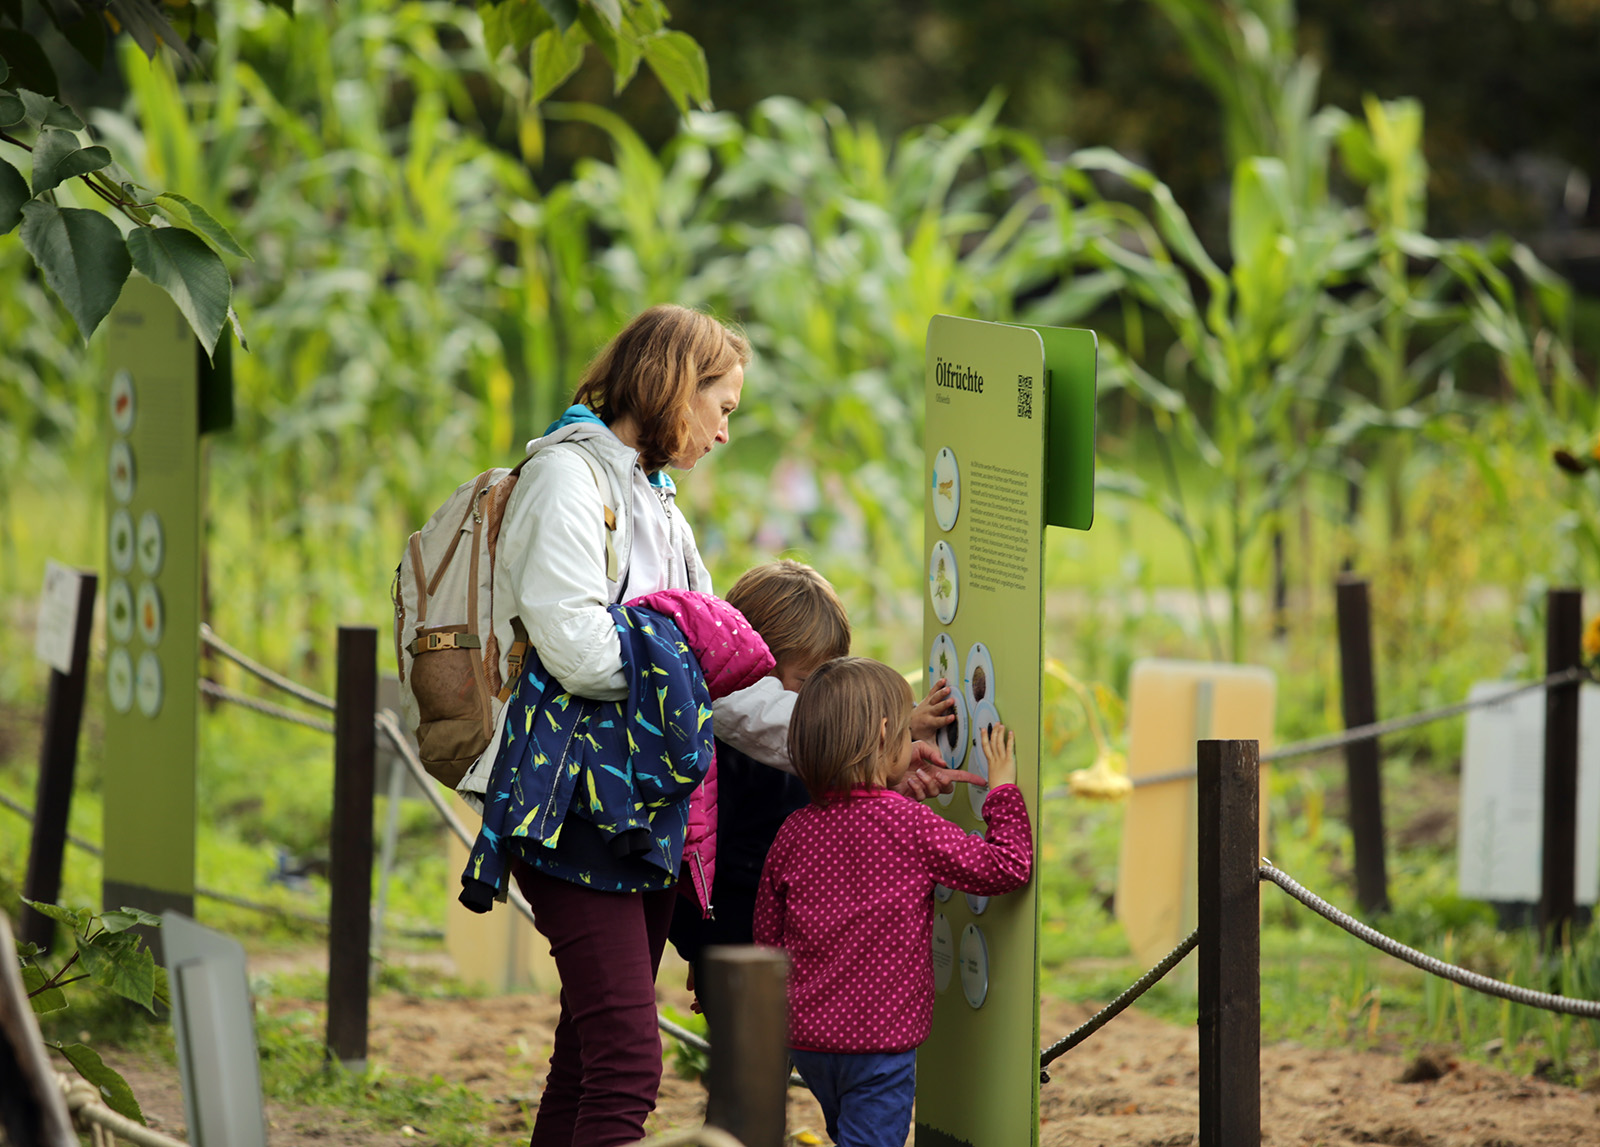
x: 848, y: 891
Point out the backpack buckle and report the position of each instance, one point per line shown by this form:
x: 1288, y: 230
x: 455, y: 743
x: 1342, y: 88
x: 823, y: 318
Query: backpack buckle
x: 433, y: 642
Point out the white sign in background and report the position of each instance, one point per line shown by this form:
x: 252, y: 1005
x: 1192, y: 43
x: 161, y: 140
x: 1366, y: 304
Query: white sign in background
x: 1501, y: 836
x: 58, y: 617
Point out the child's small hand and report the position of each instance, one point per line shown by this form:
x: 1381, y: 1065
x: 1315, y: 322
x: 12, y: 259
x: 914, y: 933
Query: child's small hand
x: 935, y: 711
x: 999, y: 749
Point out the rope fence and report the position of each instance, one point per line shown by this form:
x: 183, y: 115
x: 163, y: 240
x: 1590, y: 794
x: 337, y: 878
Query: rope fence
x: 277, y: 680
x: 104, y: 1125
x: 1110, y: 1012
x: 1589, y: 1009
x: 1367, y: 732
x: 265, y: 708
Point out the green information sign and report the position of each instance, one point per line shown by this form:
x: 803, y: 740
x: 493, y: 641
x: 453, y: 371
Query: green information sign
x: 1009, y: 447
x: 152, y: 602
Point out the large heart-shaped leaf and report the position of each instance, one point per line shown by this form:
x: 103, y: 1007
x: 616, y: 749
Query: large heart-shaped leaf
x: 180, y: 263
x: 82, y: 256
x: 556, y: 55
x: 127, y: 918
x: 114, y: 1090
x: 122, y: 964
x: 45, y: 112
x: 13, y: 194
x: 45, y: 1001
x: 76, y: 919
x: 188, y: 213
x: 680, y: 65
x: 57, y: 157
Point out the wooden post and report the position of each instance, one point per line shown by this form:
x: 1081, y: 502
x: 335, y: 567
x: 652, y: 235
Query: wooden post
x: 58, y: 762
x: 350, y: 856
x: 1230, y: 943
x: 1364, y: 776
x: 1563, y: 636
x: 748, y: 1079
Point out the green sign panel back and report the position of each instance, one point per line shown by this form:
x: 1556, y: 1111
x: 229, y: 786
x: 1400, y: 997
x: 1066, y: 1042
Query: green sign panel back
x: 152, y: 602
x: 1008, y: 448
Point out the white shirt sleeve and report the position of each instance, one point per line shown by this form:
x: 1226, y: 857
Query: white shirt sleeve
x: 756, y: 722
x: 553, y: 547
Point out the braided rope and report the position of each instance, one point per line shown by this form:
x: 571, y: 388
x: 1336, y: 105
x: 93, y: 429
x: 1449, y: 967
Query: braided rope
x: 1478, y: 983
x: 267, y: 708
x: 1367, y: 732
x: 1108, y: 1013
x: 276, y: 680
x: 84, y: 1103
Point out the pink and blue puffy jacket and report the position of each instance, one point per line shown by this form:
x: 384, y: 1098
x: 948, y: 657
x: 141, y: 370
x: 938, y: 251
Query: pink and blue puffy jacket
x: 729, y: 655
x: 704, y: 623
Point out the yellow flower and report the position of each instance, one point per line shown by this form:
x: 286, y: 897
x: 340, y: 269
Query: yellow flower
x: 1591, y: 638
x: 1106, y: 779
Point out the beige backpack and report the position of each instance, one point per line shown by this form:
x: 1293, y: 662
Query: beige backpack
x: 451, y: 690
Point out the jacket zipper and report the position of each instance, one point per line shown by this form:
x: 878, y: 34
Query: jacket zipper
x: 560, y: 765
x: 705, y: 889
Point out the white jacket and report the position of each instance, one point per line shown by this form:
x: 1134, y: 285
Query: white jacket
x: 550, y: 571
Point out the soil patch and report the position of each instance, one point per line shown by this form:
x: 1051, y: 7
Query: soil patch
x: 1132, y: 1084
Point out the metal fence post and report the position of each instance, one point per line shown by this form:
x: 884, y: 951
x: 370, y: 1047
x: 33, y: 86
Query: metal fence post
x: 1229, y: 911
x: 1563, y: 635
x: 350, y: 852
x: 1363, y: 771
x: 58, y: 763
x: 746, y: 1010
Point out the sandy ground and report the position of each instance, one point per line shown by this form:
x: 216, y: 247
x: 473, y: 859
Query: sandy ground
x: 1133, y: 1083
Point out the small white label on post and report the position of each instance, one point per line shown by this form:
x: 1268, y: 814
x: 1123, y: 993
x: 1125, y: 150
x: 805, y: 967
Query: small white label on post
x: 58, y: 617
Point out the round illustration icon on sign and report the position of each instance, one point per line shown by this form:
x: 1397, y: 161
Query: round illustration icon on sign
x: 982, y: 717
x: 152, y: 543
x: 946, y: 489
x: 944, y: 581
x: 119, y: 679
x: 979, y: 680
x: 119, y: 612
x: 122, y: 402
x: 148, y: 685
x: 119, y: 541
x: 943, y: 662
x: 119, y: 468
x: 974, y: 965
x: 944, y: 952
x: 952, y: 740
x: 152, y: 620
x: 942, y: 894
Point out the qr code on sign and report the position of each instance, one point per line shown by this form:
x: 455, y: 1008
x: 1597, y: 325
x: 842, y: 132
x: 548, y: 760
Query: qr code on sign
x: 1024, y: 396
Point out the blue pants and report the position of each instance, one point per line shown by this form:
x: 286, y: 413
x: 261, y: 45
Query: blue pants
x: 866, y: 1099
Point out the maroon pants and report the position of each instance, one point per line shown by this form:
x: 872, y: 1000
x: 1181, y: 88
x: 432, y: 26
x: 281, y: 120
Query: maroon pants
x: 606, y: 1067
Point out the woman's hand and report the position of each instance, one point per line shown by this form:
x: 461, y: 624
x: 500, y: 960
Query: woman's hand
x: 1000, y: 749
x: 928, y: 775
x: 935, y: 711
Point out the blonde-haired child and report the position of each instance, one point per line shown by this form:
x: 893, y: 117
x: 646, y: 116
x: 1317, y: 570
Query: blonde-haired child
x: 848, y: 890
x: 800, y: 617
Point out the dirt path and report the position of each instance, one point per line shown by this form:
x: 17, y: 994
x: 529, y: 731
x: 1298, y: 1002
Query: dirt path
x: 1133, y: 1084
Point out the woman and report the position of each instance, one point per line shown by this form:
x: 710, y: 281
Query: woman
x: 593, y: 522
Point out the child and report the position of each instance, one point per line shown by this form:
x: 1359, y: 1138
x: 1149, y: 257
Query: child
x: 739, y: 810
x: 848, y: 890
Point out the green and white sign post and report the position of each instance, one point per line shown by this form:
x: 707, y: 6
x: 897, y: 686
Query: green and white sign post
x: 1009, y: 449
x: 153, y: 421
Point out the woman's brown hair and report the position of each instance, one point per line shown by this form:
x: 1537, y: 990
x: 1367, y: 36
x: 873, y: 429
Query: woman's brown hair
x: 837, y: 734
x: 652, y: 369
x: 795, y: 611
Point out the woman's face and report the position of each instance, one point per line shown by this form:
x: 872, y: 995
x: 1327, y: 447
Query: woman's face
x: 708, y: 417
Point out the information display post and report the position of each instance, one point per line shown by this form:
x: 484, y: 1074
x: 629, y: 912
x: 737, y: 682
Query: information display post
x: 1009, y: 449
x: 152, y: 604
